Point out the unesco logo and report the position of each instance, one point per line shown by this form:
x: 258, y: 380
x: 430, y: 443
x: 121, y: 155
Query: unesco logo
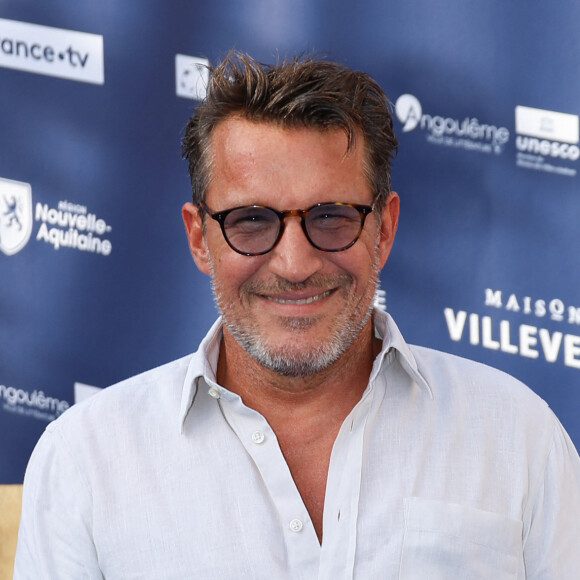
x: 544, y: 138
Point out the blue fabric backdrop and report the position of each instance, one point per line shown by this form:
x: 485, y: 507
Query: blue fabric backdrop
x: 93, y: 101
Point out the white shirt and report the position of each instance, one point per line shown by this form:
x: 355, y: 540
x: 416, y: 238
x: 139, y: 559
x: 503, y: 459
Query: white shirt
x: 445, y: 469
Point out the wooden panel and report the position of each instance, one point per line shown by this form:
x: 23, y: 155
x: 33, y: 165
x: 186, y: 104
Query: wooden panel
x: 10, y: 501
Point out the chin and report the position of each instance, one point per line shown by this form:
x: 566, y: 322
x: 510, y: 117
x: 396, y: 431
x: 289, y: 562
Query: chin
x: 297, y: 354
x: 295, y: 364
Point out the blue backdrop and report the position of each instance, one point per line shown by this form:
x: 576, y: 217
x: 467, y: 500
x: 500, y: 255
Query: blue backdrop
x: 96, y: 282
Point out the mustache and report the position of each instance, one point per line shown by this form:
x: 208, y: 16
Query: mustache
x: 277, y: 285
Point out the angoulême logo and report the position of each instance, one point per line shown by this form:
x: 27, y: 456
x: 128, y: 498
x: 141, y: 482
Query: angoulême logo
x: 409, y: 111
x: 467, y: 133
x: 15, y: 215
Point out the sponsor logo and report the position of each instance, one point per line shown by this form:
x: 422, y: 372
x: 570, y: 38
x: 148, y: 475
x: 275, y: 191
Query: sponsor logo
x: 526, y: 340
x: 191, y: 76
x: 37, y: 405
x: 15, y: 215
x: 544, y: 124
x: 545, y: 139
x: 55, y: 52
x: 70, y: 225
x: 83, y: 392
x: 380, y: 298
x: 467, y: 133
x: 409, y: 111
x: 33, y: 404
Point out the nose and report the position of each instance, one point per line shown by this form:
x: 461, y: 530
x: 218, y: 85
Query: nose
x: 294, y: 258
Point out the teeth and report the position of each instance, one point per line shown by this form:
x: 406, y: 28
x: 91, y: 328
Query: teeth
x: 301, y: 300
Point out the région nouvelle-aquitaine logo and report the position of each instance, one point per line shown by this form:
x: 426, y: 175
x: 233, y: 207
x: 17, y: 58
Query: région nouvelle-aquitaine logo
x: 15, y: 215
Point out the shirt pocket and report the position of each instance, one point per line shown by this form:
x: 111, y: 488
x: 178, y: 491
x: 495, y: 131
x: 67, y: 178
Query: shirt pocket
x: 446, y: 541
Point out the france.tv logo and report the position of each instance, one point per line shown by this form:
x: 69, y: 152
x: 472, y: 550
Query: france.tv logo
x: 55, y: 52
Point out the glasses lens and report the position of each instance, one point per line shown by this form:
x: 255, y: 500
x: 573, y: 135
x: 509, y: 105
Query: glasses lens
x: 333, y: 226
x: 252, y: 230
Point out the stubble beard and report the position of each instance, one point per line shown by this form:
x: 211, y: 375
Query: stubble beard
x: 298, y: 360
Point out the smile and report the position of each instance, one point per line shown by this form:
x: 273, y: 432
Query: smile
x: 299, y: 301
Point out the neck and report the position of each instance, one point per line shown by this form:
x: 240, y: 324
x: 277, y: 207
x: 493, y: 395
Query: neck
x: 306, y: 413
x: 339, y: 385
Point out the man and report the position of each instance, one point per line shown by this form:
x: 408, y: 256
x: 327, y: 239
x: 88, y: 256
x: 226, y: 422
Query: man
x: 305, y: 438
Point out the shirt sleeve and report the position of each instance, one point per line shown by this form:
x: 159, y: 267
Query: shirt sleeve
x: 552, y: 546
x: 54, y: 539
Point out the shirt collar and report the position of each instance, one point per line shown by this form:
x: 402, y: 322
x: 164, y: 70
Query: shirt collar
x: 203, y: 364
x: 394, y: 345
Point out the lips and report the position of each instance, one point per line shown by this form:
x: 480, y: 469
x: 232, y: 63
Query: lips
x: 298, y: 301
x: 315, y: 289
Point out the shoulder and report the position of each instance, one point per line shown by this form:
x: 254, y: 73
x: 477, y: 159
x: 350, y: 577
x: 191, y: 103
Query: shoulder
x: 152, y: 376
x: 437, y: 366
x: 139, y: 399
x: 479, y: 388
x: 454, y: 379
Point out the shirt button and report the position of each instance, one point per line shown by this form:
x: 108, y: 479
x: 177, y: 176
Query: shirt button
x: 296, y: 525
x: 258, y: 437
x: 214, y: 392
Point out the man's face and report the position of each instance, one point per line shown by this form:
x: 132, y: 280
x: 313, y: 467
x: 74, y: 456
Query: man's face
x: 296, y: 309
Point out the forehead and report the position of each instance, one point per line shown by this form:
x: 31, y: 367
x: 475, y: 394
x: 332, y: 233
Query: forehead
x: 259, y: 157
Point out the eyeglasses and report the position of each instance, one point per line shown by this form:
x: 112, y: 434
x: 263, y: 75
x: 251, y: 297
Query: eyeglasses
x: 254, y: 230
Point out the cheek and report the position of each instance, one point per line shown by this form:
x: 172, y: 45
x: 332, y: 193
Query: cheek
x: 222, y: 258
x: 360, y: 261
x: 231, y: 270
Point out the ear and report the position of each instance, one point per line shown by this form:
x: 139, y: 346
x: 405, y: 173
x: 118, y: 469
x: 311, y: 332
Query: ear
x: 195, y: 237
x: 389, y: 222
